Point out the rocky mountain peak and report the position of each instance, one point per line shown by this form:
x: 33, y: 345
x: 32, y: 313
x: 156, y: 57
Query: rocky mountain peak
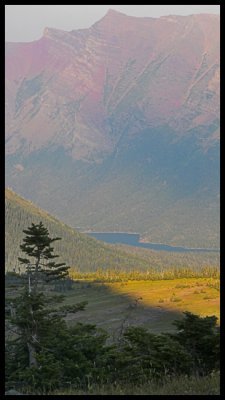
x: 131, y: 97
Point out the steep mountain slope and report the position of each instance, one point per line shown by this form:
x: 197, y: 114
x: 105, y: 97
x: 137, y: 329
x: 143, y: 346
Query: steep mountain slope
x: 116, y: 127
x: 77, y: 250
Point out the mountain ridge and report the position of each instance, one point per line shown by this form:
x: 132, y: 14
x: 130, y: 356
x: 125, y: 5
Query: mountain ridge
x: 127, y: 113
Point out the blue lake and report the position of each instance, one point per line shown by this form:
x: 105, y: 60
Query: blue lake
x: 132, y: 239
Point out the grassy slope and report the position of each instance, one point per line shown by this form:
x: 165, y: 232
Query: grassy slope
x: 154, y: 304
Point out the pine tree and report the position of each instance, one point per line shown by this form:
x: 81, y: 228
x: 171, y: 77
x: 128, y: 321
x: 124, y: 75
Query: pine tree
x: 32, y: 319
x: 200, y: 336
x: 41, y: 265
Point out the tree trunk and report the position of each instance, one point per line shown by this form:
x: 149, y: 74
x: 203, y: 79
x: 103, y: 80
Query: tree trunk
x: 36, y: 273
x: 32, y: 357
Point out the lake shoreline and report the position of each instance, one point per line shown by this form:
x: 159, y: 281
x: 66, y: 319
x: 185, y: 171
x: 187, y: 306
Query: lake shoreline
x: 134, y: 239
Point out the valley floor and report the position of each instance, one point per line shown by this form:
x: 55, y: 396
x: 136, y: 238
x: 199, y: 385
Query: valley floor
x: 154, y: 304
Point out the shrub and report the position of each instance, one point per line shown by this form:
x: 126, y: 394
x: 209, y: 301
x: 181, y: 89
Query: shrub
x: 200, y: 337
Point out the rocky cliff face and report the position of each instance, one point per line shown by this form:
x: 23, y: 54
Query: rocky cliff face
x: 128, y: 101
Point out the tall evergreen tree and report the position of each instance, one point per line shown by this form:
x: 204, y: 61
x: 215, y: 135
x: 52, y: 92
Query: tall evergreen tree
x: 32, y: 319
x: 40, y: 265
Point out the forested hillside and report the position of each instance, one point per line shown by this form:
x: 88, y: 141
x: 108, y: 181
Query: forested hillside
x: 78, y: 250
x: 82, y: 252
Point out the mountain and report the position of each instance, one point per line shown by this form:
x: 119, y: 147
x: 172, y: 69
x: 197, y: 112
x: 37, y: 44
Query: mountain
x: 116, y: 127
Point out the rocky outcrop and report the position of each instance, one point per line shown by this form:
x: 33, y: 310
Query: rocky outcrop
x: 80, y: 89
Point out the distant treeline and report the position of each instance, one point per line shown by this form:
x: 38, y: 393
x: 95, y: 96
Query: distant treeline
x: 151, y: 274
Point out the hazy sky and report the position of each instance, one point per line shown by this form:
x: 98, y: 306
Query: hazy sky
x: 25, y: 23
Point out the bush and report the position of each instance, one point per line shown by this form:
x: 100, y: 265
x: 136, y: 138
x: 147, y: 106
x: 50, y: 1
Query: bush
x: 149, y: 356
x: 80, y: 357
x: 200, y: 337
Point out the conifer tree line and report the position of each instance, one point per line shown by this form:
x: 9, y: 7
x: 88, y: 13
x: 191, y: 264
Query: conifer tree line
x: 43, y: 353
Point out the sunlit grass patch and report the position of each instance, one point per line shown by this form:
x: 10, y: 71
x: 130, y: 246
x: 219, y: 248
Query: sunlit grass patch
x: 175, y: 299
x: 170, y: 292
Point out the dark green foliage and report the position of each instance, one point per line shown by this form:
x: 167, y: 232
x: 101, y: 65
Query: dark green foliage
x: 146, y: 356
x: 32, y: 325
x: 201, y: 338
x: 194, y: 349
x: 30, y: 320
x: 37, y: 245
x: 80, y: 357
x: 70, y: 356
